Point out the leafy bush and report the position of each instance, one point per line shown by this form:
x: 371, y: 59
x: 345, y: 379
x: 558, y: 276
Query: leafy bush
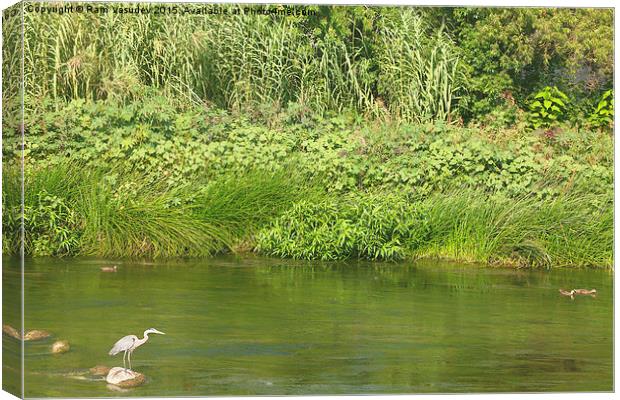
x: 51, y: 222
x: 372, y: 227
x: 52, y: 227
x: 548, y: 107
x: 603, y: 114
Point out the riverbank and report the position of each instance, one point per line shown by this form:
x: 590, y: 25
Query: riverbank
x: 123, y: 181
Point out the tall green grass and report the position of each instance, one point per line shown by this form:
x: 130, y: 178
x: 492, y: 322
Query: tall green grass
x: 419, y: 70
x: 240, y: 205
x: 72, y: 210
x: 245, y: 62
x: 140, y: 219
x: 574, y: 229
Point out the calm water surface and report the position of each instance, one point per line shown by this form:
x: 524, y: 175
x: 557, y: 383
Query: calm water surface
x: 254, y: 326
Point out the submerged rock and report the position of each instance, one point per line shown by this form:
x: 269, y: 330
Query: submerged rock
x: 588, y: 292
x: 36, y: 334
x: 124, y: 378
x: 60, y: 346
x: 10, y: 331
x: 99, y: 370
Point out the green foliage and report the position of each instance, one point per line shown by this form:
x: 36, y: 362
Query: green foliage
x: 70, y: 210
x: 548, y: 107
x: 52, y: 226
x: 232, y: 184
x: 572, y: 230
x: 603, y: 114
x: 173, y: 146
x: 372, y: 227
x: 50, y: 221
x: 507, y: 53
x: 344, y: 58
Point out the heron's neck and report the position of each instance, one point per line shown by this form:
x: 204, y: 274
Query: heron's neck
x: 146, y: 336
x: 140, y: 342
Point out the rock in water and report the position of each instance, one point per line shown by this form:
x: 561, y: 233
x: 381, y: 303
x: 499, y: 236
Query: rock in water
x: 36, y: 334
x: 124, y: 378
x: 10, y: 331
x: 60, y: 346
x: 99, y: 370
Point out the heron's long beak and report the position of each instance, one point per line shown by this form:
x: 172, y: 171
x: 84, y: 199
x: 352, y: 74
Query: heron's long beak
x: 156, y: 331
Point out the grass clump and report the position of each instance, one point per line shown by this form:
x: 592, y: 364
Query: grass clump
x: 71, y: 210
x: 238, y: 205
x: 571, y: 230
x: 134, y: 218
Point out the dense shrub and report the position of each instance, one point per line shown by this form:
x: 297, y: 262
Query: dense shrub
x: 363, y: 226
x: 510, y: 53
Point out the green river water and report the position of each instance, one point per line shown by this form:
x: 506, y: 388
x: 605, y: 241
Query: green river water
x: 258, y: 326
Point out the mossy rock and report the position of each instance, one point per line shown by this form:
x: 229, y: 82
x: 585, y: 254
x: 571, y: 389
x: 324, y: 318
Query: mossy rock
x: 60, y: 346
x: 99, y: 370
x: 10, y: 331
x: 36, y: 334
x: 124, y: 378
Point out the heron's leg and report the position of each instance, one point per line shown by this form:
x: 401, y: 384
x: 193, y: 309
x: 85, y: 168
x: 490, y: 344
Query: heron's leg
x: 124, y: 354
x: 129, y: 357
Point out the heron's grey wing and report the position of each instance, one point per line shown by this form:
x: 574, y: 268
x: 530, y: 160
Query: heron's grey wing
x: 123, y: 344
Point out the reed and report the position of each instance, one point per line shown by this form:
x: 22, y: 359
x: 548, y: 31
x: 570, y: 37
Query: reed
x: 419, y: 69
x: 243, y: 62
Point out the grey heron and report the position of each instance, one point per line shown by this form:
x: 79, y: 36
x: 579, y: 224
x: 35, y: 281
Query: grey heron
x: 129, y: 343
